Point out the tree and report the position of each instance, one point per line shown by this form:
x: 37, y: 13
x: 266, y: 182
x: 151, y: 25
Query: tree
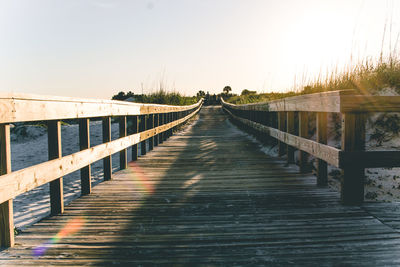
x: 248, y: 92
x: 200, y: 94
x: 120, y: 96
x: 227, y: 89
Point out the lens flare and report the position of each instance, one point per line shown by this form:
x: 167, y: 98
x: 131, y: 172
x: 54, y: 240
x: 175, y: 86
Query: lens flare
x: 140, y: 177
x: 70, y: 228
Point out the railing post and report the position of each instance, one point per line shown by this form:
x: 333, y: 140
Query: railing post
x: 161, y: 122
x: 322, y: 166
x: 55, y: 152
x: 135, y: 129
x: 6, y: 208
x: 165, y: 121
x: 107, y: 162
x: 150, y: 125
x: 156, y: 124
x: 353, y: 139
x: 143, y: 128
x: 84, y: 143
x: 123, y: 158
x: 303, y: 132
x: 281, y: 127
x: 290, y: 129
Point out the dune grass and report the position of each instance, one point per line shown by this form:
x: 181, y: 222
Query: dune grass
x: 366, y: 77
x: 159, y: 97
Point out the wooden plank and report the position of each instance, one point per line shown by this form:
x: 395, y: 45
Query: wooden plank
x: 55, y: 152
x: 6, y: 206
x: 369, y: 103
x: 318, y: 102
x: 21, y: 181
x: 303, y: 132
x: 123, y: 154
x: 370, y: 159
x: 135, y: 129
x: 84, y: 143
x: 322, y: 138
x: 107, y: 161
x: 324, y: 152
x: 353, y: 139
x: 143, y: 127
x: 290, y: 130
x: 150, y: 125
x: 282, y: 128
x: 25, y: 107
x: 192, y: 214
x: 156, y: 124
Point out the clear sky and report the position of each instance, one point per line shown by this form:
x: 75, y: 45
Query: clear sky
x: 95, y: 48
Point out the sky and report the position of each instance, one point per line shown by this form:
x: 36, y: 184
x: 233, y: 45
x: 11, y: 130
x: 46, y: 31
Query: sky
x: 96, y: 48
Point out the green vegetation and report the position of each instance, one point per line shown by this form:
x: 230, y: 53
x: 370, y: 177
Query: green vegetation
x: 367, y: 77
x: 159, y: 97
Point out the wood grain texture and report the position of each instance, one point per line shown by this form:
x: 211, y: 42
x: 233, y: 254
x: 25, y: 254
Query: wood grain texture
x: 321, y: 151
x: 318, y: 102
x: 322, y: 138
x: 291, y: 130
x: 6, y: 206
x: 26, y: 107
x: 123, y: 154
x: 55, y: 152
x: 187, y: 203
x: 84, y: 143
x: 18, y: 182
x: 353, y: 139
x: 107, y: 161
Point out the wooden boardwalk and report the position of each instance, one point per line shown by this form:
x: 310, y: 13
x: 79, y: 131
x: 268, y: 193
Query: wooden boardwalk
x: 208, y: 196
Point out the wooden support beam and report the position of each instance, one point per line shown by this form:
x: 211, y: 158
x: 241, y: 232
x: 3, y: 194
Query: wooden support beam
x: 291, y: 130
x: 143, y: 128
x: 281, y: 127
x: 353, y: 139
x: 303, y: 132
x: 163, y: 121
x: 84, y: 143
x: 322, y: 138
x: 156, y: 124
x: 6, y: 208
x: 123, y: 154
x: 135, y: 129
x: 55, y: 152
x: 107, y: 161
x: 150, y: 125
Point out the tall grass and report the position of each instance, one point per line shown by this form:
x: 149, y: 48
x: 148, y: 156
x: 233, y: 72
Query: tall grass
x: 159, y: 97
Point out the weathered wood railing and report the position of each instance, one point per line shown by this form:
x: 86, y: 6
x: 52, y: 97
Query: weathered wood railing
x: 150, y: 121
x: 276, y: 119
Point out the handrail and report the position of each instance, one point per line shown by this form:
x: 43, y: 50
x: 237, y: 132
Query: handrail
x: 28, y: 107
x: 276, y: 119
x: 150, y: 121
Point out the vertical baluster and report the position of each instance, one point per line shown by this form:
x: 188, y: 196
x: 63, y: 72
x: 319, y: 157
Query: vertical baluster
x: 281, y: 127
x: 353, y: 139
x: 123, y: 158
x: 291, y: 130
x: 322, y: 167
x: 6, y: 208
x: 303, y: 132
x: 150, y: 125
x: 84, y: 143
x: 55, y: 152
x: 143, y: 128
x: 107, y: 162
x: 156, y: 124
x: 135, y: 129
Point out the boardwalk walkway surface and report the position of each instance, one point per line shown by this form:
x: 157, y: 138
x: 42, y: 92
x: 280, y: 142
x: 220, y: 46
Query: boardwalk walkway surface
x: 208, y: 196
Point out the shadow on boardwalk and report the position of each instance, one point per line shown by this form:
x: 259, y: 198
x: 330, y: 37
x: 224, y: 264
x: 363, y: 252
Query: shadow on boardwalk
x: 208, y: 196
